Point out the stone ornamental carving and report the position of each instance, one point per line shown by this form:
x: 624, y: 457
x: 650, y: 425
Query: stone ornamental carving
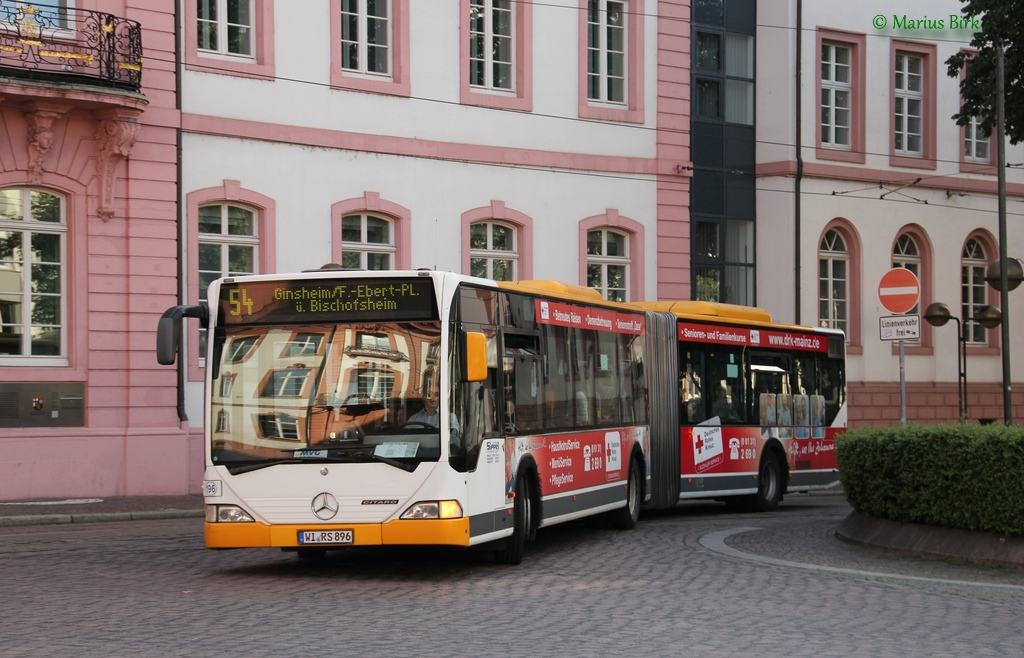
x: 114, y: 141
x: 40, y: 140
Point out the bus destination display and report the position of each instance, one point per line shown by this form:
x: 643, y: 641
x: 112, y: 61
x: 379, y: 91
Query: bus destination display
x: 326, y: 300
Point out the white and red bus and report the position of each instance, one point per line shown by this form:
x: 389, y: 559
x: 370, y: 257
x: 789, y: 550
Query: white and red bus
x: 759, y: 406
x: 428, y: 408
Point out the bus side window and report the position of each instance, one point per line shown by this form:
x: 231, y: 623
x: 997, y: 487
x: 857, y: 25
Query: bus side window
x: 725, y: 367
x: 691, y: 385
x: 639, y: 400
x: 583, y: 350
x: 606, y: 379
x: 558, y: 401
x: 527, y: 394
x: 831, y: 390
x: 626, y: 394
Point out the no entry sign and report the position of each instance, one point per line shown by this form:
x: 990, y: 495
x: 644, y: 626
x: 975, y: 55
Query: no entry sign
x: 899, y: 290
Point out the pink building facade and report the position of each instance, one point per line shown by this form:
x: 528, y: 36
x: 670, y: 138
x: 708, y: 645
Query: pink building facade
x: 88, y: 250
x: 275, y: 129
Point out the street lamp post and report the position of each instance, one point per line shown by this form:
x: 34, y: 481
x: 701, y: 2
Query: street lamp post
x: 938, y: 314
x: 1004, y: 279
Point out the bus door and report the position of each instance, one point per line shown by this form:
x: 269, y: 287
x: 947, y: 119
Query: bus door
x: 481, y: 452
x: 771, y: 399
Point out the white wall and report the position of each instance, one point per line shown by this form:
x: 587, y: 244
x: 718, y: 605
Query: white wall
x: 854, y: 191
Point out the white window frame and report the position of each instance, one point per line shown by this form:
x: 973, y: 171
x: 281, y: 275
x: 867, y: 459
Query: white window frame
x: 974, y: 290
x: 365, y: 248
x: 836, y: 89
x: 906, y: 98
x: 604, y: 261
x: 27, y: 227
x: 222, y: 30
x: 362, y: 45
x: 485, y: 11
x: 976, y: 145
x: 225, y: 241
x: 833, y: 250
x: 598, y: 25
x: 489, y: 254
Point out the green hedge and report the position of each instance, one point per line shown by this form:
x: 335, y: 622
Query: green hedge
x: 957, y: 476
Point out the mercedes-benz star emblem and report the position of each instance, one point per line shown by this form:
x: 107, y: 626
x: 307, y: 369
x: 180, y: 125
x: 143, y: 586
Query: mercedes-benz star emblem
x: 324, y: 506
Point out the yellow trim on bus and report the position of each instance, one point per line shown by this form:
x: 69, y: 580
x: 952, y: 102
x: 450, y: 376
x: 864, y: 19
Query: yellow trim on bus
x: 450, y: 532
x: 554, y: 288
x: 692, y: 309
x: 683, y: 309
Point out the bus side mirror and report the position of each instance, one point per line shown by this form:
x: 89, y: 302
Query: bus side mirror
x: 168, y: 330
x: 475, y: 361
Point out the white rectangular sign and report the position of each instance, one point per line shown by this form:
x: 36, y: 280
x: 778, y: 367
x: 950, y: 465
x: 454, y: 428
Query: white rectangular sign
x: 900, y: 327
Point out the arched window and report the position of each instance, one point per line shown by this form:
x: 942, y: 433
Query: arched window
x: 912, y: 251
x: 492, y: 251
x: 906, y: 254
x: 973, y: 289
x: 33, y: 275
x: 367, y: 242
x: 834, y: 282
x: 608, y: 263
x: 228, y: 243
x: 230, y: 232
x: 228, y: 246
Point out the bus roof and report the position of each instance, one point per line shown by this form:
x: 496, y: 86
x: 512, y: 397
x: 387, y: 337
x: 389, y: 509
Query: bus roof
x: 716, y: 310
x: 555, y: 289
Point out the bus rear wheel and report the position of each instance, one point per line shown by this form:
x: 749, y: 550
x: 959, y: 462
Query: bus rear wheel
x: 769, y: 484
x: 625, y: 518
x: 769, y: 488
x: 511, y: 551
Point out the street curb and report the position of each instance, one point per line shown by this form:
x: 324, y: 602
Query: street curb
x: 932, y: 541
x: 98, y: 517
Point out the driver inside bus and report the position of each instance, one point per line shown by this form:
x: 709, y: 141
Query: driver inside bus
x: 430, y: 414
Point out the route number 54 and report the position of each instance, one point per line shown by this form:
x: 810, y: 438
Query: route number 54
x: 237, y: 299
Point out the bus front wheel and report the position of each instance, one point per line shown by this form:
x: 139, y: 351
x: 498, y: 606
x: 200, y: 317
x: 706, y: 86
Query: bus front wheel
x: 511, y: 551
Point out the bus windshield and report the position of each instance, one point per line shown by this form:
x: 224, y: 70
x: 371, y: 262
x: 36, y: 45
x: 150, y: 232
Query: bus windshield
x: 341, y: 392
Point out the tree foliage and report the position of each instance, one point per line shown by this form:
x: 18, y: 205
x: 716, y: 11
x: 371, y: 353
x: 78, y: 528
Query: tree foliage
x: 1001, y: 21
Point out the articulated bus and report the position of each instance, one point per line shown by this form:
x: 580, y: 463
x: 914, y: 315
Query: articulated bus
x: 353, y: 408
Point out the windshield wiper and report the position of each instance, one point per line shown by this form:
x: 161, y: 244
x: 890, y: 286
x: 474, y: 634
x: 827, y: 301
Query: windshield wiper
x: 255, y: 466
x: 347, y: 456
x: 387, y: 460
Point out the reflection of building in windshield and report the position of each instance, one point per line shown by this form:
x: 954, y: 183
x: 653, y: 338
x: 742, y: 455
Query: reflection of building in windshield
x: 285, y: 387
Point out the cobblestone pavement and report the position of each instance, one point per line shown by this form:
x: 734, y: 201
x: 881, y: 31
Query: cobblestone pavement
x: 692, y: 581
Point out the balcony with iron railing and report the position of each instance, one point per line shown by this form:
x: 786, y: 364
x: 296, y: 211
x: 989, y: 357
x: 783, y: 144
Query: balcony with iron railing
x: 66, y: 45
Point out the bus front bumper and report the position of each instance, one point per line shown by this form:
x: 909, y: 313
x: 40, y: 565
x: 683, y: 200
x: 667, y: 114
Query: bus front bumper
x: 434, y: 532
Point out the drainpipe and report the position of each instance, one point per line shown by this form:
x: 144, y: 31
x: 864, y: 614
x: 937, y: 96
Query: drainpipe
x: 799, y: 156
x: 182, y: 416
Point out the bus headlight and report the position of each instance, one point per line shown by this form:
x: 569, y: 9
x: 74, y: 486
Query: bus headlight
x: 227, y: 514
x: 434, y: 509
